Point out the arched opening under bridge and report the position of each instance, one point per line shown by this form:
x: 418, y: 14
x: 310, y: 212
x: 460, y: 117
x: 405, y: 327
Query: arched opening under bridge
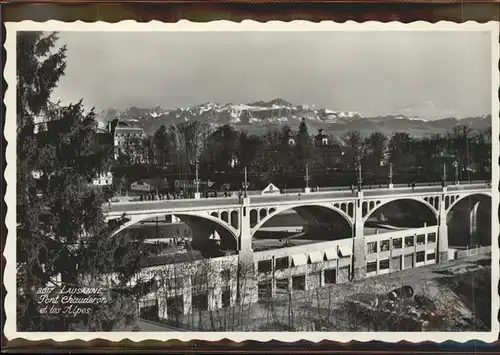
x: 181, y: 237
x: 398, y: 215
x: 299, y: 225
x: 469, y: 222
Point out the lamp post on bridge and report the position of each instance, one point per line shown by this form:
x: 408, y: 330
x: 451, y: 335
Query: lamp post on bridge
x: 455, y: 164
x: 360, y: 177
x: 245, y: 184
x: 443, y: 183
x: 391, y: 185
x: 197, y: 194
x: 306, y: 178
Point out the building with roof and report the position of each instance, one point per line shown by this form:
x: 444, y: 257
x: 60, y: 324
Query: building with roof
x: 123, y: 135
x: 104, y: 179
x: 321, y: 139
x: 329, y: 152
x: 149, y: 185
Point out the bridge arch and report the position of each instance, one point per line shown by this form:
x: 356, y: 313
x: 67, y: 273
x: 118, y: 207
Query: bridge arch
x: 202, y: 226
x: 462, y: 196
x: 307, y: 213
x: 468, y: 220
x: 380, y: 205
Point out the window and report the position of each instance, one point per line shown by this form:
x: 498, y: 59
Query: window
x: 420, y: 239
x: 225, y: 275
x: 384, y: 264
x: 264, y: 266
x: 431, y: 256
x: 200, y: 301
x: 282, y: 263
x: 409, y: 242
x: 264, y: 291
x: 226, y: 298
x: 371, y: 248
x: 330, y: 276
x: 371, y: 266
x: 299, y: 282
x: 176, y: 283
x: 282, y: 284
x: 420, y: 256
x: 397, y: 243
x: 175, y: 306
x: 384, y: 245
x: 431, y: 238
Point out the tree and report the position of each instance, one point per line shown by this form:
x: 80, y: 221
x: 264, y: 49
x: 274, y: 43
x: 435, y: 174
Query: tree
x: 224, y: 145
x: 461, y: 138
x: 271, y: 151
x: 62, y: 236
x: 400, y: 150
x: 187, y: 139
x: 375, y: 146
x: 353, y: 143
x: 248, y: 146
x: 161, y: 146
x: 483, y: 149
x: 304, y: 143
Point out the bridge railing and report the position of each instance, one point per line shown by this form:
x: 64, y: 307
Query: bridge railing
x: 329, y: 191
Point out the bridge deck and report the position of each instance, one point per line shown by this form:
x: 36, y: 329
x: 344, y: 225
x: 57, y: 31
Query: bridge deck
x: 258, y: 200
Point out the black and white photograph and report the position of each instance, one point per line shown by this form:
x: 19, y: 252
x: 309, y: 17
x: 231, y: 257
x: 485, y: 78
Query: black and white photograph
x: 251, y: 177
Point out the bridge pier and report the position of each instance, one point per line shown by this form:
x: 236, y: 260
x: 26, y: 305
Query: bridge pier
x: 473, y: 230
x: 359, y: 262
x: 246, y: 281
x: 442, y: 230
x: 245, y: 241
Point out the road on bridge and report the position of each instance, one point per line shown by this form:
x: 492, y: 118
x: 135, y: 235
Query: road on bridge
x: 235, y: 202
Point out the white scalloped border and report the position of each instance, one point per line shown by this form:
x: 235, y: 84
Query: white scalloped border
x: 246, y: 25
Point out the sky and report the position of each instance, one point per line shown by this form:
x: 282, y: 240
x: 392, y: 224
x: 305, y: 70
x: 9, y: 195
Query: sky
x: 426, y: 74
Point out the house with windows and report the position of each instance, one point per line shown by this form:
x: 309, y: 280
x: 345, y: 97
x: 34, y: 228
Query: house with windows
x: 124, y: 135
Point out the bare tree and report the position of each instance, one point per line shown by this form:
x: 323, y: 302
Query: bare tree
x: 353, y: 144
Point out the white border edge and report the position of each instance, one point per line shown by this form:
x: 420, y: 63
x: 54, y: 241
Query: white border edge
x: 246, y: 25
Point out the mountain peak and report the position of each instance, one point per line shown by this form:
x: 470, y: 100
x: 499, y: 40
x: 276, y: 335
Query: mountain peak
x: 279, y: 102
x: 275, y: 102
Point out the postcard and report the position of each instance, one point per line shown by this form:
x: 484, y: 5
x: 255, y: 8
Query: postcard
x: 252, y: 181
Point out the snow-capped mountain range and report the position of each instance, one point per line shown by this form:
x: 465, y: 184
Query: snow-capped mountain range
x: 259, y: 116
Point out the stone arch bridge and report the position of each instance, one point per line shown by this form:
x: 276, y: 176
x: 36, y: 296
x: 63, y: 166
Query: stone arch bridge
x: 237, y: 219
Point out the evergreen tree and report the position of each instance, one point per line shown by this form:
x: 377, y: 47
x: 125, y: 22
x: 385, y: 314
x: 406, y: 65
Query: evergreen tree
x: 61, y: 232
x: 304, y: 143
